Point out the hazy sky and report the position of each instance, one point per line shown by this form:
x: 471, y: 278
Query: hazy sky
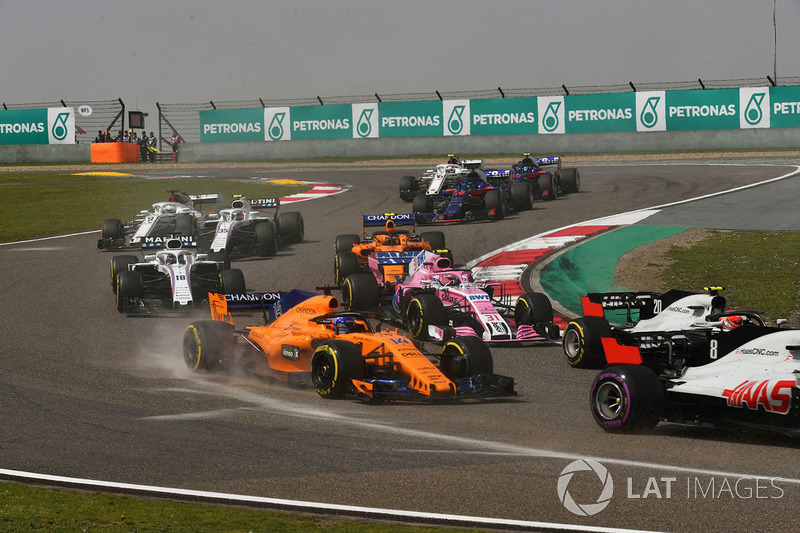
x: 178, y: 51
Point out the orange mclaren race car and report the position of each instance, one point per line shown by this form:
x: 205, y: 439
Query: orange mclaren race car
x: 309, y: 340
x: 386, y: 253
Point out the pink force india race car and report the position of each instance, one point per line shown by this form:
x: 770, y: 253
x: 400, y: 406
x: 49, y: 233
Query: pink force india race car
x: 437, y: 302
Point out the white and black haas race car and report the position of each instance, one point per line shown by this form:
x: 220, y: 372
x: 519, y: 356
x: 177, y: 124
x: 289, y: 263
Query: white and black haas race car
x: 745, y: 378
x: 642, y: 318
x: 242, y: 230
x: 182, y: 215
x: 174, y: 278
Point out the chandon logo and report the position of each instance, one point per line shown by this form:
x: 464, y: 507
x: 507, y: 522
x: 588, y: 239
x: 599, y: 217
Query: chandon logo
x: 585, y: 509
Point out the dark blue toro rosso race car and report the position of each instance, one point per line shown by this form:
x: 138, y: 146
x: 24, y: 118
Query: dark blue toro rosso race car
x: 528, y: 180
x: 465, y: 197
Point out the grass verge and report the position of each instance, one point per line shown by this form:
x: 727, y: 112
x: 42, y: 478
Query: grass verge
x: 760, y: 271
x: 36, y: 206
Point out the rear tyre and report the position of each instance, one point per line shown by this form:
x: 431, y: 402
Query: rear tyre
x: 434, y: 238
x: 360, y: 291
x: 494, y: 204
x: 627, y: 398
x: 292, y: 228
x: 408, y: 188
x: 207, y: 345
x: 266, y: 239
x: 570, y: 180
x: 119, y: 263
x: 220, y: 257
x: 547, y: 187
x: 345, y: 243
x: 112, y: 229
x: 346, y: 265
x: 232, y: 281
x: 425, y: 310
x: 465, y: 356
x: 522, y: 194
x: 422, y: 203
x: 582, y: 344
x: 333, y: 367
x: 129, y: 286
x: 185, y: 225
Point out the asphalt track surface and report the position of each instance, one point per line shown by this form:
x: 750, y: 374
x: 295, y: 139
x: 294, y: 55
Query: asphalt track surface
x: 89, y: 393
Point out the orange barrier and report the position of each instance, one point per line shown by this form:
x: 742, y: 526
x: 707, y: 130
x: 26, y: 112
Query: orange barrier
x: 114, y: 152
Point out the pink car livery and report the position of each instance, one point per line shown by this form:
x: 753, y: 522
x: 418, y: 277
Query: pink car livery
x: 437, y: 302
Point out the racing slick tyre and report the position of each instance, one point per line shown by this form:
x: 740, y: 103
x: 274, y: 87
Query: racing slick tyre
x: 462, y: 357
x: 112, y: 229
x: 220, y: 257
x: 408, y: 188
x: 522, y: 195
x: 291, y: 227
x: 333, y: 366
x: 207, y: 345
x: 119, y: 263
x: 129, y: 285
x: 494, y: 203
x: 422, y: 203
x: 547, y: 187
x: 570, y: 180
x: 346, y: 265
x: 360, y: 291
x: 534, y: 309
x: 425, y: 310
x: 434, y: 238
x: 627, y: 398
x: 582, y: 344
x: 345, y: 243
x: 232, y: 281
x: 185, y: 224
x: 266, y: 239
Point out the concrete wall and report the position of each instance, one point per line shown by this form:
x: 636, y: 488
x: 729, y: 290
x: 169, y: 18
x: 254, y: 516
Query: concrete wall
x: 581, y: 143
x: 576, y: 143
x: 44, y: 153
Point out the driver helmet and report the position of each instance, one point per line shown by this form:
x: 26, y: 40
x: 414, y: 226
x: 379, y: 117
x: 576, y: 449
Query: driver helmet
x: 343, y: 324
x: 452, y: 159
x: 169, y: 209
x: 170, y: 259
x: 446, y: 280
x: 731, y: 322
x: 238, y: 215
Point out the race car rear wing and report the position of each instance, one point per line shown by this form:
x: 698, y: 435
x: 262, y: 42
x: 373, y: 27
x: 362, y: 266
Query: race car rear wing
x: 273, y: 304
x: 264, y: 203
x: 398, y: 219
x: 596, y: 303
x: 546, y: 161
x: 200, y: 200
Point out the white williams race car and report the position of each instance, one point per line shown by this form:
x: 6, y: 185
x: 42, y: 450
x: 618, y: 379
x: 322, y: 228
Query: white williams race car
x: 181, y: 215
x: 176, y: 277
x: 747, y: 378
x: 242, y: 230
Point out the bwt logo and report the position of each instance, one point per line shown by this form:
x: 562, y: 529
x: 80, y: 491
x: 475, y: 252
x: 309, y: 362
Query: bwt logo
x: 585, y: 509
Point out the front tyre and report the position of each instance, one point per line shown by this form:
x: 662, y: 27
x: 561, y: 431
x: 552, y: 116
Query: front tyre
x: 112, y: 229
x: 207, y: 345
x: 266, y: 239
x: 232, y: 281
x: 129, y: 287
x: 119, y: 263
x: 582, y: 342
x: 346, y: 265
x: 360, y: 291
x: 408, y: 188
x: 627, y: 398
x: 425, y: 310
x: 462, y: 357
x: 493, y: 202
x: 333, y: 366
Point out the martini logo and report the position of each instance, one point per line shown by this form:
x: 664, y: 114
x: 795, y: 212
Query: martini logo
x: 606, y: 492
x: 278, y: 122
x: 457, y: 113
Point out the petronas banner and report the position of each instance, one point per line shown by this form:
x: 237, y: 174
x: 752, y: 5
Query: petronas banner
x: 54, y: 125
x: 693, y: 110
